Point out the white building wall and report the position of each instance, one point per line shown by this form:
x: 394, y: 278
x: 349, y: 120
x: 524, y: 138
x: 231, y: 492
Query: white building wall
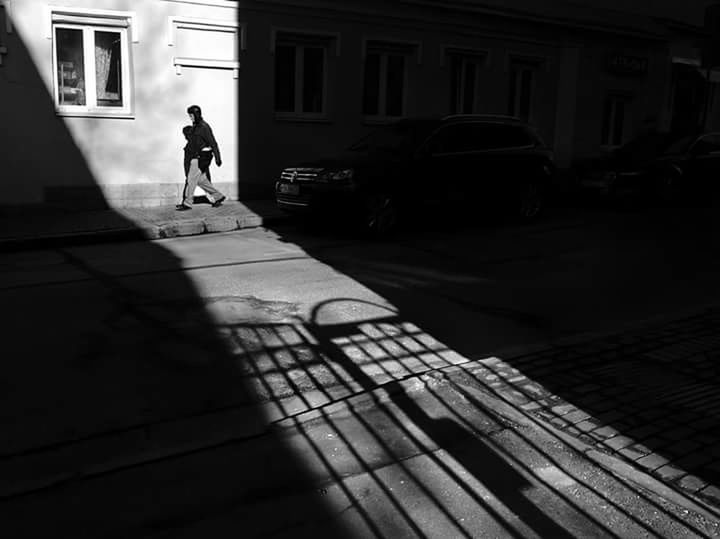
x: 137, y: 160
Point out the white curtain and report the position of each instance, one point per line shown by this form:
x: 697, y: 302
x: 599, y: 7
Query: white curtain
x: 106, y: 67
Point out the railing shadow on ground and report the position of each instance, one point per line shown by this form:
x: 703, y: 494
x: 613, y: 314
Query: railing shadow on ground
x: 616, y: 380
x: 322, y: 364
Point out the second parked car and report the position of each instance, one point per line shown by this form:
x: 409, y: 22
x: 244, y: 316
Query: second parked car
x: 657, y: 166
x: 476, y: 163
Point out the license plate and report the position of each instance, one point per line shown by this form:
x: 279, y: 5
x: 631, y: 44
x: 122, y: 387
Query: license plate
x: 288, y: 189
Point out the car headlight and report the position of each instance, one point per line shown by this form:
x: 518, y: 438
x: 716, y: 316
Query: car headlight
x: 338, y: 175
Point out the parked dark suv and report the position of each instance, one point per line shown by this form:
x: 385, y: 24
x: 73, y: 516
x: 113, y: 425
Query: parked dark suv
x: 474, y: 163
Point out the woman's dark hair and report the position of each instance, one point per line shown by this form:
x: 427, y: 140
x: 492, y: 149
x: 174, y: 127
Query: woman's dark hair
x: 195, y: 111
x: 187, y: 130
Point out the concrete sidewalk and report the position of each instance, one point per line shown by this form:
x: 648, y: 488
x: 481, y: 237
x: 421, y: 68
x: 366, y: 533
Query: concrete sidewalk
x: 27, y: 229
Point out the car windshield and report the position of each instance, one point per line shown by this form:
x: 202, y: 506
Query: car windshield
x: 396, y: 138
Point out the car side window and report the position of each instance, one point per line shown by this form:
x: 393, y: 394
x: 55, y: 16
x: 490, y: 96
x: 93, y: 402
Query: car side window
x: 450, y: 139
x: 496, y: 136
x: 482, y: 136
x: 479, y: 136
x: 511, y: 136
x: 473, y: 137
x: 709, y: 144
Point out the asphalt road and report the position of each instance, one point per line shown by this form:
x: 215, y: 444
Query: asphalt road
x: 108, y: 339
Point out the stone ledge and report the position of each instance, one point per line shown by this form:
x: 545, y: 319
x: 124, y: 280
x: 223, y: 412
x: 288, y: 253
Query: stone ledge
x: 181, y: 228
x: 222, y: 224
x: 251, y: 221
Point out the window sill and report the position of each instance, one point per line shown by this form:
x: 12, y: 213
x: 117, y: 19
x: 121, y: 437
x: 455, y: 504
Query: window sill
x: 95, y: 114
x: 301, y: 118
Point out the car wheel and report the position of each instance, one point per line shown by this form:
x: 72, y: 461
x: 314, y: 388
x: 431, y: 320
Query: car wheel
x: 531, y: 201
x: 380, y: 214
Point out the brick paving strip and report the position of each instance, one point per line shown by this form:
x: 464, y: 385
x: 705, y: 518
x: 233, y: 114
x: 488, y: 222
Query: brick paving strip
x: 649, y: 397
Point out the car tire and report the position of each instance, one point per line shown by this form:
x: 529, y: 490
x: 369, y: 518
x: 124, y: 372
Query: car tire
x: 381, y: 216
x: 531, y: 202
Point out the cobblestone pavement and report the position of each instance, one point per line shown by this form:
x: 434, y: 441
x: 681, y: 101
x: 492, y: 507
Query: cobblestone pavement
x: 649, y: 397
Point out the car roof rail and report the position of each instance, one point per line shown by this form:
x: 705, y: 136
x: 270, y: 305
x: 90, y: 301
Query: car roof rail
x: 506, y: 117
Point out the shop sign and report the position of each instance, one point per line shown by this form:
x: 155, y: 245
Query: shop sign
x: 622, y: 64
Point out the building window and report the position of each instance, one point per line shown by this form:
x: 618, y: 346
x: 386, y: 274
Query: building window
x: 464, y: 82
x: 613, y: 126
x: 384, y: 81
x: 301, y: 76
x: 92, y: 74
x: 91, y: 60
x: 522, y: 81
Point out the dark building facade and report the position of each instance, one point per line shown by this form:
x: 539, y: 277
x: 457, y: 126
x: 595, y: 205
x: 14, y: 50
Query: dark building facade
x: 316, y: 75
x: 284, y: 80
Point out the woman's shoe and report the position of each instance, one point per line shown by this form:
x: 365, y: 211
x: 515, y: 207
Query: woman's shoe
x: 218, y: 202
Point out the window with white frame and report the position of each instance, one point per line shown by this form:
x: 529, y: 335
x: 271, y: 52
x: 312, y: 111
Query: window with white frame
x: 464, y: 81
x: 301, y: 65
x: 91, y: 65
x: 385, y: 79
x: 522, y: 85
x: 613, y: 125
